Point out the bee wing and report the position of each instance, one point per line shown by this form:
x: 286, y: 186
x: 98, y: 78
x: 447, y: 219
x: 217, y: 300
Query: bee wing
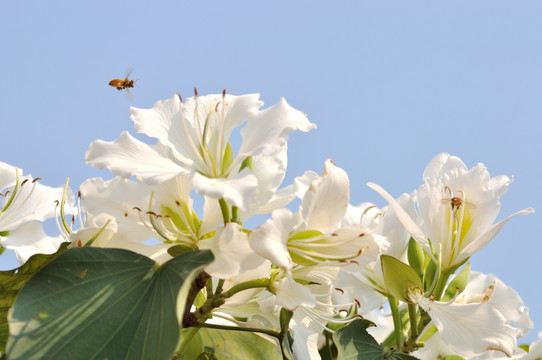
x: 128, y: 73
x: 129, y: 94
x: 469, y: 205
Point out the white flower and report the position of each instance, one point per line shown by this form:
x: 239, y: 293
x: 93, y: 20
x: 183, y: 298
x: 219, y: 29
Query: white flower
x: 456, y: 209
x: 26, y: 203
x: 488, y: 288
x: 469, y: 329
x: 315, y: 234
x: 193, y: 138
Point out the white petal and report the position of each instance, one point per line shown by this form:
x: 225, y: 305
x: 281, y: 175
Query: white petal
x: 291, y: 294
x: 164, y: 122
x: 305, y: 332
x: 303, y: 182
x: 30, y: 239
x: 117, y: 199
x: 33, y: 201
x: 486, y: 237
x: 442, y: 164
x: 471, y: 329
x: 269, y: 239
x: 402, y: 215
x: 232, y: 252
x: 240, y: 190
x: 267, y: 130
x: 326, y: 200
x: 8, y: 175
x: 127, y: 156
x: 504, y: 298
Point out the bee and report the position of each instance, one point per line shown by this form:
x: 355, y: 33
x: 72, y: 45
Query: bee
x: 456, y: 202
x: 123, y: 84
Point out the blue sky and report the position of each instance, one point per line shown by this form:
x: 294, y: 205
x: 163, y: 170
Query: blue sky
x: 390, y: 84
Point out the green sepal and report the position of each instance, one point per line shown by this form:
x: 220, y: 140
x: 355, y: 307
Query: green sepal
x: 457, y: 285
x: 228, y: 158
x: 399, y: 277
x: 180, y: 249
x: 306, y: 235
x: 4, y: 233
x: 453, y: 357
x: 247, y: 163
x: 430, y: 276
x: 416, y: 257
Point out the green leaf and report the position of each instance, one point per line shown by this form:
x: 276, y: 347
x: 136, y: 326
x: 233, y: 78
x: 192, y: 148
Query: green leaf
x: 399, y: 277
x: 102, y: 304
x: 354, y: 342
x: 12, y: 281
x: 234, y: 345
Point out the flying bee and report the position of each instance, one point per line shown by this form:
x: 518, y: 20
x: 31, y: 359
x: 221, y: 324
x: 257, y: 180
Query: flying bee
x: 123, y: 84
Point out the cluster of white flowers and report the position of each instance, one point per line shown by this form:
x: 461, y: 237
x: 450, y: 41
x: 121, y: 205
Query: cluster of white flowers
x: 316, y: 262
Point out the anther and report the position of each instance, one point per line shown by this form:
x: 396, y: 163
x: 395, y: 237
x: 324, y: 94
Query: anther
x: 24, y: 182
x: 341, y: 290
x: 195, y: 91
x: 36, y: 179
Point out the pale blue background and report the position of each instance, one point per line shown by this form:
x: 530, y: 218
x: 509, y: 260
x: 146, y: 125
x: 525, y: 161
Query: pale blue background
x: 390, y: 84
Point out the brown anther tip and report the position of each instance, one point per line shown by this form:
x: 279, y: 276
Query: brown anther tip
x: 359, y: 316
x: 180, y: 97
x: 342, y: 261
x: 73, y: 219
x: 341, y: 290
x: 79, y: 194
x: 151, y: 213
x: 24, y: 182
x: 136, y: 208
x: 223, y: 92
x: 354, y: 262
x: 57, y: 202
x: 195, y: 91
x: 357, y: 302
x: 36, y: 179
x: 126, y: 214
x: 79, y: 243
x: 167, y: 216
x: 362, y: 234
x: 177, y: 203
x: 334, y: 234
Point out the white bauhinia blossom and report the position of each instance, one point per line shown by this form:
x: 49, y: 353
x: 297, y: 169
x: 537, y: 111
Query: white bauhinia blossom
x: 456, y: 209
x: 366, y: 284
x: 193, y: 138
x: 468, y: 329
x: 488, y: 288
x: 25, y: 205
x: 314, y: 235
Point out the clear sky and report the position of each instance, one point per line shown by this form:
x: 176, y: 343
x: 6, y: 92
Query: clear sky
x: 389, y: 83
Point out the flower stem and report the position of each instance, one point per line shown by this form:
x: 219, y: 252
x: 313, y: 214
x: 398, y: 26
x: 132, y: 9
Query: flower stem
x: 258, y: 283
x: 413, y: 322
x: 441, y: 284
x: 235, y: 328
x: 225, y: 210
x: 394, y: 306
